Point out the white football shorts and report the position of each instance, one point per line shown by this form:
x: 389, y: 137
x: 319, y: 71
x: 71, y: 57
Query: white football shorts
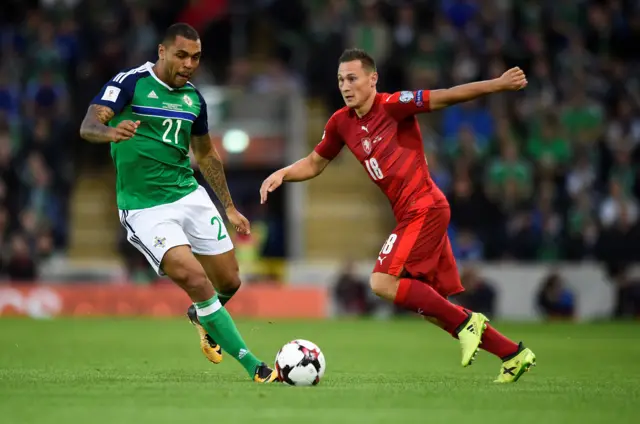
x: 192, y: 220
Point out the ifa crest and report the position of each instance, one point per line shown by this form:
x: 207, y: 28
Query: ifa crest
x: 366, y: 144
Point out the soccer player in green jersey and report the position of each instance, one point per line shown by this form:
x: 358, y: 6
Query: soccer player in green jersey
x: 151, y: 114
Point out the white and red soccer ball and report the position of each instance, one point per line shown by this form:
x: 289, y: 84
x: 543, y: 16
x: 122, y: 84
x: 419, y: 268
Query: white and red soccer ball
x: 300, y: 363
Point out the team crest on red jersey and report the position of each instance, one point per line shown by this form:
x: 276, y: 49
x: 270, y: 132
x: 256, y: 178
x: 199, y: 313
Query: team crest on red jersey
x: 366, y: 145
x: 405, y: 96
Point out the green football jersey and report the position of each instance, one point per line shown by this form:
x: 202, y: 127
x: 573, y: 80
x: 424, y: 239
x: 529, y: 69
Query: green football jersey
x: 153, y: 167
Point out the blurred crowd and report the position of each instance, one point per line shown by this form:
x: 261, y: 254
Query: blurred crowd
x: 548, y: 173
x: 35, y: 129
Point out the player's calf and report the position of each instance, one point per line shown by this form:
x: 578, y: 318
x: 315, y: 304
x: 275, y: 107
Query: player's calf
x: 192, y: 279
x: 223, y: 271
x: 228, y: 289
x: 419, y: 297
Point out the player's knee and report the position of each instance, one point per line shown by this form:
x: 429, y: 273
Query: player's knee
x: 197, y: 285
x: 383, y: 285
x: 192, y: 280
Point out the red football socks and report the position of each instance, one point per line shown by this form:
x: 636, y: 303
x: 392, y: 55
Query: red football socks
x: 419, y: 297
x: 496, y: 343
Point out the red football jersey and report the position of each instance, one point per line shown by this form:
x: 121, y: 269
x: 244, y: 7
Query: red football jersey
x: 388, y: 143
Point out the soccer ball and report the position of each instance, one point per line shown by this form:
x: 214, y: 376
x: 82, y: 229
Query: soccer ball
x: 300, y: 363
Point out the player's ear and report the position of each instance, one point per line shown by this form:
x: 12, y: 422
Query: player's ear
x: 374, y: 79
x: 161, y: 51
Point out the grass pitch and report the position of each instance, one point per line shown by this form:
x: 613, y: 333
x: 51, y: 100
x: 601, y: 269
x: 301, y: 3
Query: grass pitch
x: 151, y: 371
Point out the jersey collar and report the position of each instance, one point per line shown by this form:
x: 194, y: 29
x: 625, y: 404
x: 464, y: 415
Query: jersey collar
x: 149, y: 66
x: 368, y: 114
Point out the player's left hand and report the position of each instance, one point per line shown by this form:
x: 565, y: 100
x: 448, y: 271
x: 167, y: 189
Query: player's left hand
x: 239, y: 222
x: 272, y: 182
x: 512, y: 80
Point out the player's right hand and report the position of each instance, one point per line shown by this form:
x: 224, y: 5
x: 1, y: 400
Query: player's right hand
x: 270, y: 184
x: 125, y: 130
x: 512, y: 80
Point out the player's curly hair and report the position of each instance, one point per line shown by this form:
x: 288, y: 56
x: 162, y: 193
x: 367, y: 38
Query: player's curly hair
x: 180, y: 30
x: 365, y: 58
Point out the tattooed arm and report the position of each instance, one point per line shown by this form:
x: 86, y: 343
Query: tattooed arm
x: 211, y: 167
x: 95, y: 130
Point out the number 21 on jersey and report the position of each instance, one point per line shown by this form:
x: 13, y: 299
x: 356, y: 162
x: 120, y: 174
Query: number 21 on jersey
x: 374, y: 169
x: 169, y: 124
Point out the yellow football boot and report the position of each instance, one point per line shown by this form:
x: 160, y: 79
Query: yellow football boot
x: 470, y: 336
x: 516, y: 365
x: 264, y: 374
x: 209, y: 347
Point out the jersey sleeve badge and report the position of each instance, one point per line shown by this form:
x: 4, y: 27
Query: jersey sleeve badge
x: 406, y: 96
x: 111, y: 94
x: 419, y: 101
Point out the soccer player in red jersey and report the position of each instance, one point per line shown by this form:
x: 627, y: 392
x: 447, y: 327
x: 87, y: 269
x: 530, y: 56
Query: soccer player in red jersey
x: 415, y: 268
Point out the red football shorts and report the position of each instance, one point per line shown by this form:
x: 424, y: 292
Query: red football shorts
x: 419, y: 248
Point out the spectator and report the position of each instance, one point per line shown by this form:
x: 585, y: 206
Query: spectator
x: 624, y: 127
x: 405, y: 31
x: 466, y: 149
x: 617, y: 203
x: 9, y: 97
x: 426, y: 62
x: 581, y: 178
x: 472, y: 115
x: 523, y: 239
x: 371, y: 34
x: 549, y: 147
x: 352, y: 293
x: 45, y: 55
x: 510, y: 177
x: 478, y: 295
x: 580, y: 114
x: 9, y: 180
x: 440, y: 174
x: 619, y: 241
x: 20, y: 265
x: 276, y: 79
x: 467, y: 246
x: 142, y: 36
x: 582, y: 231
x: 46, y: 97
x: 627, y: 303
x: 555, y: 301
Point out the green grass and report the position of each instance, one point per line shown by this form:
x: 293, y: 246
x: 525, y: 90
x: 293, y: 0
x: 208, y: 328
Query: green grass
x: 151, y: 371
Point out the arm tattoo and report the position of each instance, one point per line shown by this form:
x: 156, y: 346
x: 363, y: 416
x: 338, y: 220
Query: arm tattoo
x: 93, y: 126
x: 211, y: 168
x: 103, y: 113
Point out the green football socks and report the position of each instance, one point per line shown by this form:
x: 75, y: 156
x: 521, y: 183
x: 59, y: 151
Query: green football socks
x: 219, y: 324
